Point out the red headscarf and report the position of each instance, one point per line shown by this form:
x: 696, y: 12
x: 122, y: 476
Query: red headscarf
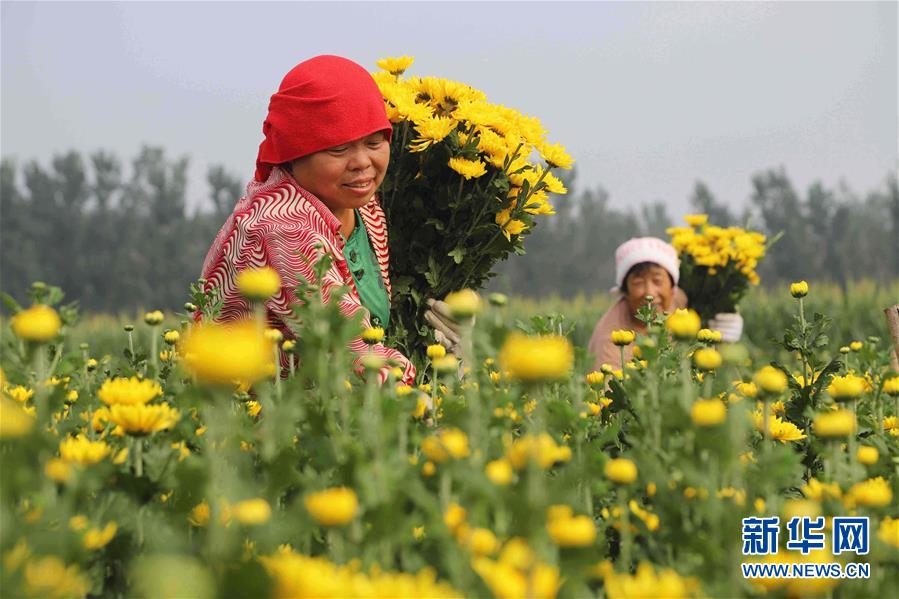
x: 322, y: 102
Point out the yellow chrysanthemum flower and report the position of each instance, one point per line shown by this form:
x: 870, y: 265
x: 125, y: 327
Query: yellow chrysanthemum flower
x: 621, y: 470
x: 199, y: 515
x: 258, y: 284
x: 874, y: 492
x: 706, y: 358
x: 130, y: 391
x: 839, y: 423
x: 469, y: 169
x: 142, y: 419
x: 799, y: 289
x: 541, y: 449
x: 436, y: 351
x: 39, y: 323
x: 595, y: 378
x: 332, y: 507
x: 19, y: 393
x: 431, y: 130
x: 296, y: 575
x: 746, y: 389
x: 575, y: 531
x: 818, y: 491
x: 373, y: 335
x: 888, y: 532
x: 51, y: 577
x: 867, y: 455
x: 622, y: 337
x: 696, y: 220
x: 708, y: 412
x: 395, y: 65
x: 464, y: 303
x: 845, y: 388
x: 779, y: 429
x: 539, y: 358
x: 219, y: 354
x: 555, y: 155
x: 709, y: 336
x: 891, y: 386
x: 510, y: 226
x: 14, y: 421
x: 252, y: 512
x: 683, y: 323
x: 82, y: 451
x: 648, y: 582
x: 58, y: 469
x: 770, y: 380
x: 446, y: 444
x: 499, y: 472
x: 447, y: 364
x: 97, y: 538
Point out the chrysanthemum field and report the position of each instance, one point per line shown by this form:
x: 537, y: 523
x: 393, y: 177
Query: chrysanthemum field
x: 167, y: 459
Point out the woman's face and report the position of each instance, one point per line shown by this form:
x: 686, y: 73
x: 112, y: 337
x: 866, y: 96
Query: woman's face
x: 652, y: 280
x: 345, y: 177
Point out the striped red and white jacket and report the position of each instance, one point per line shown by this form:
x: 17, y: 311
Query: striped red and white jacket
x: 279, y: 224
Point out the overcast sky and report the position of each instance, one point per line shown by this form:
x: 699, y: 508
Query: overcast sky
x: 648, y: 97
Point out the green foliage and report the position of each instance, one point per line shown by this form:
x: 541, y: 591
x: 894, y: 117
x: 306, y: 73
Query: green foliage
x: 325, y: 426
x: 442, y: 230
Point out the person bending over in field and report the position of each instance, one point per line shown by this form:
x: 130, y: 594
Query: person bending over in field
x: 325, y: 152
x: 646, y: 266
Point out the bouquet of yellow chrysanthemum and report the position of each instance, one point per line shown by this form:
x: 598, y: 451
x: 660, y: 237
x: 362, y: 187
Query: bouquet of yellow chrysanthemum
x: 463, y: 188
x: 717, y: 264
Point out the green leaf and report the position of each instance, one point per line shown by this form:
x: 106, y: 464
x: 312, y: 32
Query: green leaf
x: 457, y: 255
x: 10, y: 303
x: 437, y: 224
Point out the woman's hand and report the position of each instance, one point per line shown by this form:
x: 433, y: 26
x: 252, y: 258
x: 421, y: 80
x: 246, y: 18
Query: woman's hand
x: 729, y: 325
x: 447, y: 332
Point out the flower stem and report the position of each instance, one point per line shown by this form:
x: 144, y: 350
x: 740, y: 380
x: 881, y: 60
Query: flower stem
x: 277, y: 351
x: 625, y: 532
x: 138, y: 446
x: 446, y: 485
x: 434, y: 384
x: 154, y: 350
x: 335, y: 542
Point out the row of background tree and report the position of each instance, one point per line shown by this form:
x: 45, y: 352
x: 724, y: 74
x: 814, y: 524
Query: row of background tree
x: 119, y: 241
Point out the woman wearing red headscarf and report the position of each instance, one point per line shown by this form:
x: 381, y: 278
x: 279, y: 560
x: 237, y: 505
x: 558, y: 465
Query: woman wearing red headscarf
x: 325, y: 152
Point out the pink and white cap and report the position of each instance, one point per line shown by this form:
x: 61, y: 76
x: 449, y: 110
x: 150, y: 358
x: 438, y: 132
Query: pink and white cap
x: 645, y: 249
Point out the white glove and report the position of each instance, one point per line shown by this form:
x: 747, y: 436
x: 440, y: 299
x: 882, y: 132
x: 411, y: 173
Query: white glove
x: 447, y: 331
x: 730, y: 325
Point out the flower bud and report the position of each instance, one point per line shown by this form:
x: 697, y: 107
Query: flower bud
x: 446, y: 364
x: 436, y: 351
x: 623, y: 337
x: 799, y: 289
x: 498, y: 299
x: 463, y: 304
x: 153, y: 318
x: 372, y: 362
x: 621, y: 470
x: 683, y: 324
x: 373, y: 335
